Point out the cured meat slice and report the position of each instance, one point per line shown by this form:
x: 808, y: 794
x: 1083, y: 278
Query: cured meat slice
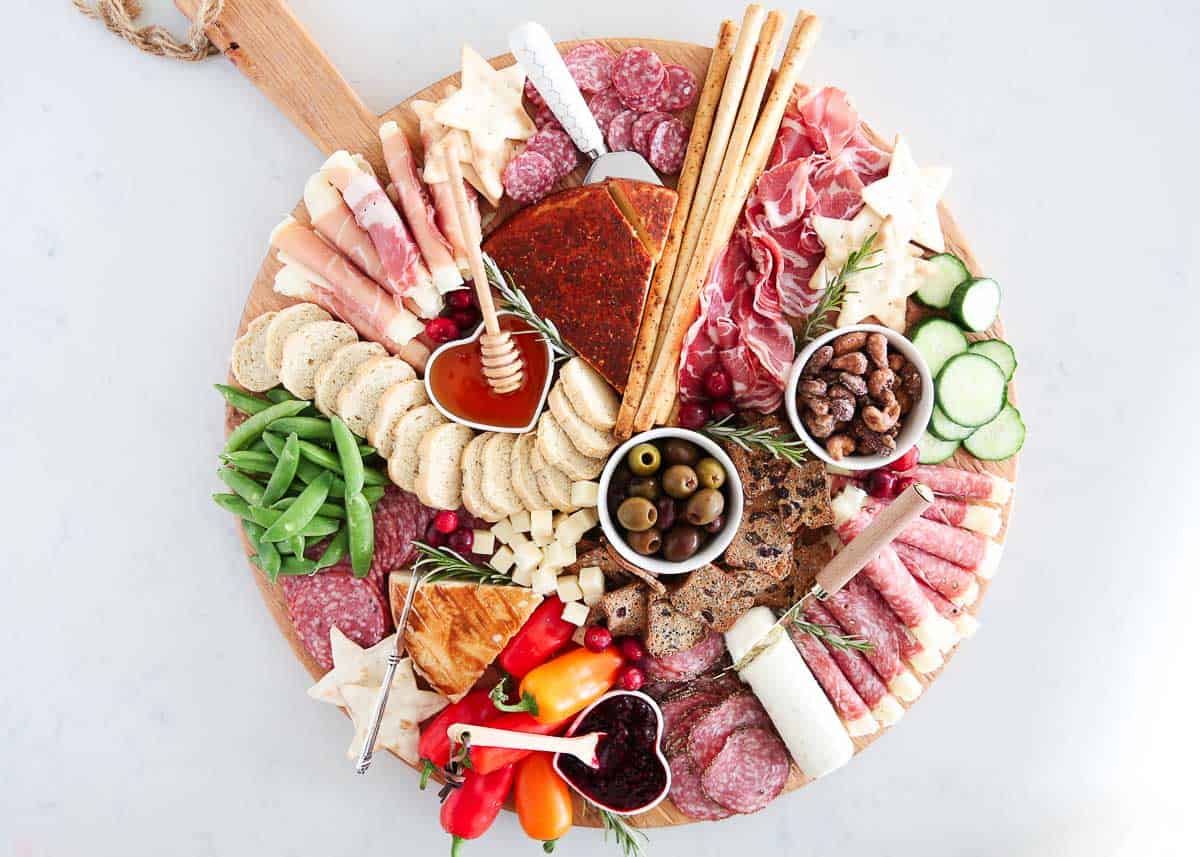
x: 555, y: 146
x: 954, y: 512
x: 687, y: 664
x: 679, y: 711
x: 619, y: 135
x: 857, y: 670
x: 590, y: 65
x: 950, y: 580
x: 318, y: 602
x: 604, y: 106
x: 528, y: 177
x: 638, y: 76
x: 964, y: 622
x: 688, y: 795
x: 668, y: 146
x: 531, y: 93
x: 961, y: 547
x: 845, y: 699
x: 963, y: 483
x: 855, y: 611
x: 749, y: 772
x: 642, y: 128
x: 708, y: 732
x: 544, y: 117
x: 334, y: 221
x: 440, y: 191
x: 680, y: 89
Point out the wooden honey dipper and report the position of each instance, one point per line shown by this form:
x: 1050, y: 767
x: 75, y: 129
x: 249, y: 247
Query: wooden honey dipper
x: 502, y: 364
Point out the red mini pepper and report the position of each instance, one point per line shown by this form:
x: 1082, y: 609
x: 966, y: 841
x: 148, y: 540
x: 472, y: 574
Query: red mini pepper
x: 542, y: 636
x: 485, y: 760
x: 475, y: 708
x: 472, y: 807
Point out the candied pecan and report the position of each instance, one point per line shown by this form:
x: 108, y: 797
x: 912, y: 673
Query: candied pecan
x: 877, y: 349
x: 879, y: 382
x: 839, y: 446
x: 818, y: 426
x: 849, y: 342
x: 813, y: 387
x: 854, y: 383
x: 841, y: 409
x: 816, y: 404
x: 855, y: 362
x: 911, y: 379
x: 819, y: 360
x: 895, y: 361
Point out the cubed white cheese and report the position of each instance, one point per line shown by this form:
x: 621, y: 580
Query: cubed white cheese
x: 522, y: 576
x: 568, y: 588
x: 541, y: 526
x: 502, y: 560
x: 575, y: 612
x: 559, y: 554
x: 520, y: 521
x: 559, y: 517
x: 503, y: 530
x: 545, y: 581
x: 591, y: 584
x: 527, y: 555
x: 584, y: 494
x: 576, y: 525
x: 484, y: 542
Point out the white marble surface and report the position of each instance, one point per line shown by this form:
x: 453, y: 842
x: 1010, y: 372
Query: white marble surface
x: 150, y: 707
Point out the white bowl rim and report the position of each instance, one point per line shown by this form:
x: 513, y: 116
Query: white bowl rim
x: 915, y: 421
x: 453, y: 417
x: 735, y: 504
x: 658, y: 750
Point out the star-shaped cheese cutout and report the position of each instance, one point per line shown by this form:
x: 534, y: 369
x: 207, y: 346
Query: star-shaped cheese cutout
x: 486, y: 104
x: 352, y: 664
x: 407, y: 707
x: 909, y: 194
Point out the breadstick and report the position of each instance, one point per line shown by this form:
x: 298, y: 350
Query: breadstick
x: 656, y: 297
x: 714, y: 234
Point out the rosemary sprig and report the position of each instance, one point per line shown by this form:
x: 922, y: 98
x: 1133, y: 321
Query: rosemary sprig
x: 444, y: 564
x: 821, y: 632
x: 630, y: 840
x: 843, y: 642
x: 835, y: 291
x: 513, y: 299
x: 786, y: 445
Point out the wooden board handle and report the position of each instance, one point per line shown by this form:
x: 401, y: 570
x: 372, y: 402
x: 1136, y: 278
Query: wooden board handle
x: 271, y: 47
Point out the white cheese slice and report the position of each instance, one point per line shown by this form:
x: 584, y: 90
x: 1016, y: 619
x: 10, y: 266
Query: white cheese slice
x: 967, y: 625
x: 560, y: 554
x: 568, y: 588
x: 522, y: 577
x: 991, y: 559
x: 483, y: 542
x: 926, y: 661
x: 982, y: 519
x: 585, y: 494
x: 504, y: 531
x: 502, y: 560
x: 573, y: 529
x: 541, y: 527
x: 519, y: 521
x: 968, y: 596
x: 905, y: 686
x: 591, y: 583
x: 865, y: 725
x: 575, y: 612
x: 888, y: 710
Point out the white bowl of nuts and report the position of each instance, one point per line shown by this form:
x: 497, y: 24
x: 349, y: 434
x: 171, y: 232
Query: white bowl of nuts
x: 859, y: 396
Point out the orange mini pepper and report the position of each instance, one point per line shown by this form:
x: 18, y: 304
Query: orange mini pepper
x: 563, y: 687
x: 543, y: 800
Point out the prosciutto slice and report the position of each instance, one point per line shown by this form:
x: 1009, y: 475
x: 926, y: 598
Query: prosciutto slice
x: 432, y: 132
x: 334, y: 221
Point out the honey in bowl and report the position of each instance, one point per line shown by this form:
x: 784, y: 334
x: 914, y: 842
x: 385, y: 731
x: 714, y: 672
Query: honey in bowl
x: 456, y: 379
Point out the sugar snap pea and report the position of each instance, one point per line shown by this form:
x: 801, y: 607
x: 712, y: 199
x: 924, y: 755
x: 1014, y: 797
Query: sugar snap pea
x: 366, y: 450
x: 233, y: 503
x: 242, y: 485
x: 373, y: 493
x: 297, y: 543
x: 322, y: 457
x: 259, y: 445
x: 327, y: 510
x: 348, y: 456
x: 280, y: 394
x: 296, y: 566
x: 284, y: 471
x: 241, y: 400
x: 253, y: 427
x: 307, y: 428
x: 274, y: 442
x: 335, y: 550
x: 294, y: 518
x: 317, y: 527
x: 266, y: 556
x: 307, y: 472
x: 249, y: 461
x: 361, y: 525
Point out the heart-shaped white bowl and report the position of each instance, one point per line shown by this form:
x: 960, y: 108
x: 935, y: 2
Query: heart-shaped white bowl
x: 658, y: 752
x: 450, y: 415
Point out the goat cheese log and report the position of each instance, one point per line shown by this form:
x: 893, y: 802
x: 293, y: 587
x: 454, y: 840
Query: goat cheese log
x: 803, y: 717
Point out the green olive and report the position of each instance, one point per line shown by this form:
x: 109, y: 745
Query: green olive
x: 680, y: 542
x: 637, y: 514
x: 643, y: 486
x: 705, y: 506
x: 644, y: 459
x: 680, y: 481
x: 710, y: 473
x: 647, y: 542
x: 679, y: 451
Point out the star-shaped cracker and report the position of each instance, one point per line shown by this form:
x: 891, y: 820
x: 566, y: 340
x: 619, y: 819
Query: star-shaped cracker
x: 352, y: 664
x: 407, y: 707
x: 435, y: 166
x: 486, y: 104
x: 909, y: 194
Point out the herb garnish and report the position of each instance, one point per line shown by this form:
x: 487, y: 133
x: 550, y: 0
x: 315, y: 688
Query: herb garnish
x: 513, y: 299
x: 786, y: 446
x: 835, y: 291
x: 820, y: 632
x: 445, y: 564
x: 626, y: 836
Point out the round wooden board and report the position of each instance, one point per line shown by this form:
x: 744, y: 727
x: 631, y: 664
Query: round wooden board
x: 262, y: 298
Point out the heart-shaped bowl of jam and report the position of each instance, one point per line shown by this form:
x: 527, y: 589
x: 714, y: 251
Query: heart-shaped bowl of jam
x: 456, y: 385
x: 633, y: 775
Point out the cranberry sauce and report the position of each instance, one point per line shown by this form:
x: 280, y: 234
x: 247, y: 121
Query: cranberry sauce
x: 630, y: 775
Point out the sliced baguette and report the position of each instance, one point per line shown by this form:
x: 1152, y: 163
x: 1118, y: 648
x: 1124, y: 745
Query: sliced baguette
x: 472, y: 479
x: 359, y: 399
x: 552, y: 482
x: 524, y: 477
x: 587, y: 439
x: 406, y: 437
x: 556, y: 448
x: 339, y: 369
x: 396, y: 401
x: 439, y: 465
x: 249, y: 358
x: 590, y: 395
x: 286, y: 322
x: 497, y: 474
x: 306, y: 350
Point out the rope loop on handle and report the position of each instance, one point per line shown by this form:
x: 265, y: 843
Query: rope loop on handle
x: 120, y: 17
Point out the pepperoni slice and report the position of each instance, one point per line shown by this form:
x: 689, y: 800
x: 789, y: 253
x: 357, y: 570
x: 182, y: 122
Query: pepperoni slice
x: 680, y: 90
x: 605, y: 106
x: 317, y: 603
x: 710, y: 731
x: 556, y: 147
x: 638, y: 76
x: 668, y: 146
x: 688, y: 795
x: 619, y: 135
x: 543, y: 117
x: 643, y: 127
x: 529, y: 177
x: 590, y: 65
x: 749, y: 772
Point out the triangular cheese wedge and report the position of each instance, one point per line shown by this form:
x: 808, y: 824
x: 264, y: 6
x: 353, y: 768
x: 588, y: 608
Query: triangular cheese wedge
x: 649, y: 208
x: 456, y: 629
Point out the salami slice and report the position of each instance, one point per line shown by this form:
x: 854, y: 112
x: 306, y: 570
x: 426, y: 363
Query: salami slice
x: 668, y: 146
x: 749, y: 772
x: 555, y: 146
x: 534, y: 97
x: 687, y: 664
x: 688, y: 795
x: 889, y: 576
x: 604, y: 106
x: 680, y: 89
x: 676, y: 743
x: 710, y: 731
x: 845, y: 699
x: 855, y: 611
x: 952, y: 581
x: 529, y: 177
x: 317, y: 603
x: 590, y: 65
x: 619, y: 134
x: 638, y: 76
x: 544, y: 117
x: 854, y: 666
x: 642, y: 128
x: 679, y: 711
x: 963, y: 483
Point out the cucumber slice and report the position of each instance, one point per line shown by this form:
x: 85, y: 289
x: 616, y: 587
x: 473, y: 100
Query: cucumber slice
x: 941, y: 426
x: 975, y: 304
x: 948, y: 272
x: 971, y: 389
x: 934, y: 450
x: 938, y: 340
x: 998, y: 351
x: 1002, y: 438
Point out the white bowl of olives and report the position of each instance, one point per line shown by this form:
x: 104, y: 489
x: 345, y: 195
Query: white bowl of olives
x: 670, y: 500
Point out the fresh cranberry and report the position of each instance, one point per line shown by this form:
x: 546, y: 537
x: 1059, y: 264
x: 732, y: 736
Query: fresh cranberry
x: 721, y: 410
x: 461, y: 299
x: 465, y: 319
x: 631, y: 678
x: 461, y: 541
x: 446, y: 521
x: 433, y: 536
x: 905, y: 462
x: 441, y: 329
x: 693, y: 415
x: 632, y: 649
x: 597, y: 638
x: 882, y: 484
x: 717, y: 384
x: 903, y: 483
